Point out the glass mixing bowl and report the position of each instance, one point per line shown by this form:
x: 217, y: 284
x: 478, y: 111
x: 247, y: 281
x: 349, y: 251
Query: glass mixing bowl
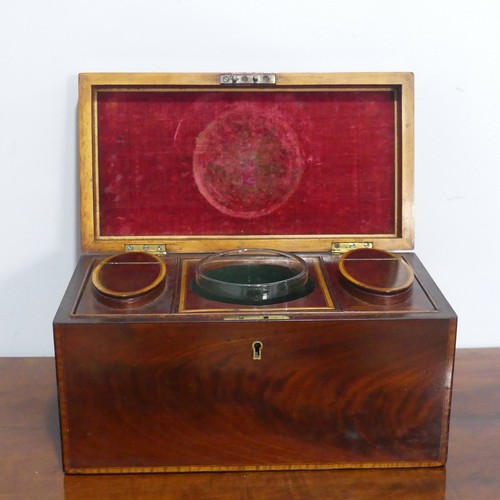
x: 252, y: 276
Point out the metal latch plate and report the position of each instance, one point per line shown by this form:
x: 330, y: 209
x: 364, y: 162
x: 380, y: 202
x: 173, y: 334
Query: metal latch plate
x: 243, y: 79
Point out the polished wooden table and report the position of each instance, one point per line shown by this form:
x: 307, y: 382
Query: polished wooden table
x: 30, y: 462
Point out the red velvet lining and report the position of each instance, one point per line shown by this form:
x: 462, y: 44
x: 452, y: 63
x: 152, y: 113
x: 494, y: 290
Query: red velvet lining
x: 237, y: 163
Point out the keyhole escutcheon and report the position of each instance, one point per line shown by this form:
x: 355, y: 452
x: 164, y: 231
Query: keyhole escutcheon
x: 257, y: 347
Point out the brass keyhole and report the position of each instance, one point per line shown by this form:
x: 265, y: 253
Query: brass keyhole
x: 257, y: 347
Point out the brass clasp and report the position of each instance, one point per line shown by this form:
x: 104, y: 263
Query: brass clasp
x: 243, y: 79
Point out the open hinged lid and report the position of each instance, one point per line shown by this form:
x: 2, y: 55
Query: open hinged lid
x: 209, y: 162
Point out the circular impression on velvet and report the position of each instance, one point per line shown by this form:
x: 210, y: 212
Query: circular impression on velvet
x: 129, y: 275
x: 376, y: 271
x: 246, y: 164
x: 252, y: 277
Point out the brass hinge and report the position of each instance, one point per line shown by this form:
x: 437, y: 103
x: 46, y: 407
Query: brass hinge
x: 154, y: 248
x: 243, y: 79
x: 339, y: 247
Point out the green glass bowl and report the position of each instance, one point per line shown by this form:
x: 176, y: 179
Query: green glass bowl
x: 252, y: 276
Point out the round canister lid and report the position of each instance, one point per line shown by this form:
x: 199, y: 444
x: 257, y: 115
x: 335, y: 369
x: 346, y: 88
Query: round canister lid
x: 376, y: 271
x: 128, y: 275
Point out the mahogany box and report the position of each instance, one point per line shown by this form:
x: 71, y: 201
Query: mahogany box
x: 344, y: 362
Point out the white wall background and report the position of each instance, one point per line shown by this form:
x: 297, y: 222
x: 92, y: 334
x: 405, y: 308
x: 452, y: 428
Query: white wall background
x: 453, y: 47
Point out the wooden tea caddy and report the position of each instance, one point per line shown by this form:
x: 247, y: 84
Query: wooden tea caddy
x: 153, y: 377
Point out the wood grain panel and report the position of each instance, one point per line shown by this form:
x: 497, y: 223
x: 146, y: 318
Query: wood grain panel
x: 190, y: 396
